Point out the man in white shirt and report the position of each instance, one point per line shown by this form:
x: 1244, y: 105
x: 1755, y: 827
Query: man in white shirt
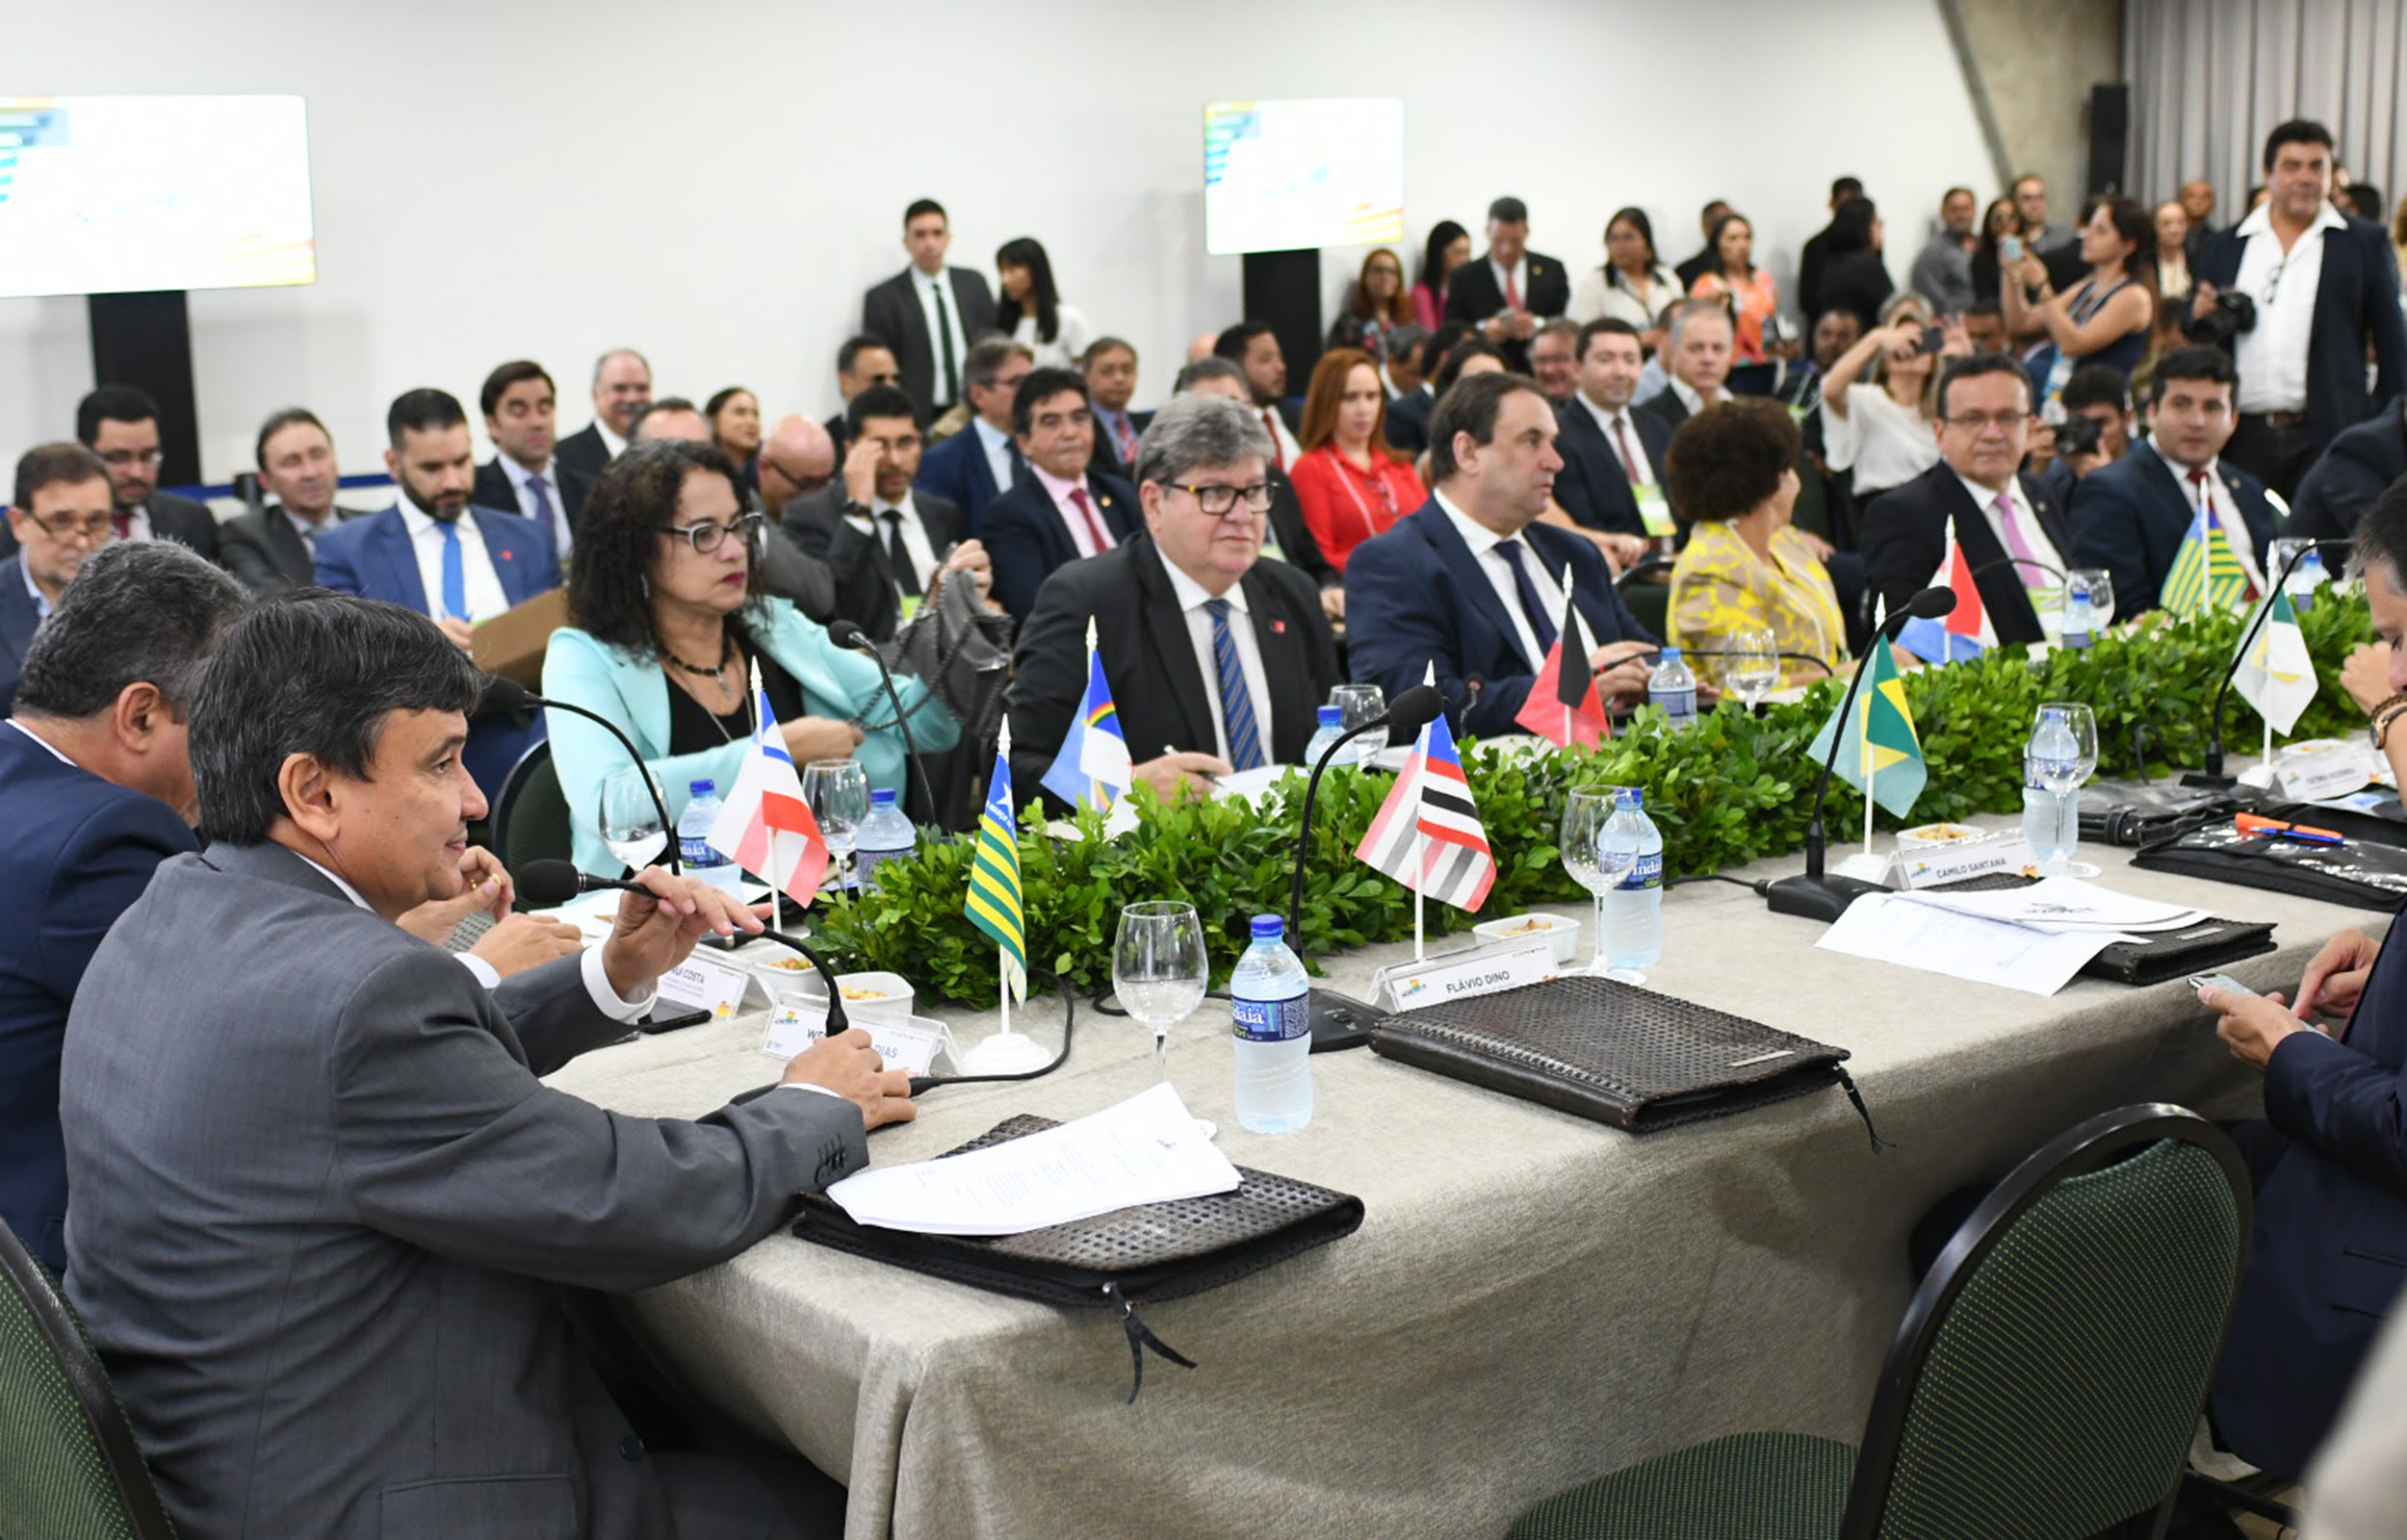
x: 1697, y: 339
x: 275, y: 550
x: 525, y: 476
x: 930, y: 313
x: 622, y: 387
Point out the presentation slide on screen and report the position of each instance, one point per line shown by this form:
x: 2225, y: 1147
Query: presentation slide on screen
x: 1295, y: 175
x: 115, y: 195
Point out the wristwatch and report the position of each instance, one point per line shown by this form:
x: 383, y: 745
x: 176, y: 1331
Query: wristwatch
x: 2378, y: 726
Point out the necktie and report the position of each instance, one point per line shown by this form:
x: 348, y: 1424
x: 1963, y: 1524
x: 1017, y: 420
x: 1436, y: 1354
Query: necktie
x: 945, y: 345
x: 1621, y: 442
x: 2198, y: 493
x: 1237, y: 706
x: 1270, y: 426
x: 1094, y: 526
x: 543, y: 505
x: 1512, y: 290
x: 2018, y: 544
x: 124, y: 520
x: 898, y: 555
x: 2202, y: 487
x: 1127, y: 433
x: 1533, y: 609
x: 454, y: 572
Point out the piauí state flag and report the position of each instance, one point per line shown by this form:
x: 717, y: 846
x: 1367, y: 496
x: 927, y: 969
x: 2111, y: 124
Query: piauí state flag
x: 1563, y: 703
x: 2276, y: 674
x: 994, y: 902
x: 1093, y: 765
x: 765, y: 825
x: 1881, y: 745
x: 1964, y: 631
x: 2206, y: 573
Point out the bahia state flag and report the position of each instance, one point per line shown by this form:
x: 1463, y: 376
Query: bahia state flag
x: 765, y: 825
x: 994, y: 902
x: 2206, y: 573
x: 1093, y: 765
x: 1964, y: 631
x: 1428, y: 834
x: 1881, y: 745
x: 2275, y: 672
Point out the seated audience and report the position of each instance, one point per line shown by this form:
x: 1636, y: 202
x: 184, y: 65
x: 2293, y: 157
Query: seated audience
x: 671, y: 417
x: 1998, y: 221
x: 1984, y: 326
x: 1472, y: 583
x: 1633, y: 285
x: 1031, y: 312
x: 1408, y: 413
x: 1376, y: 306
x: 1611, y: 454
x: 930, y: 313
x: 2105, y: 321
x: 1352, y: 483
x: 1506, y: 294
x: 2172, y: 227
x: 1449, y: 247
x: 1237, y: 682
x: 735, y: 418
x: 2352, y: 473
x: 886, y: 545
x: 798, y: 458
x: 1813, y: 258
x: 1400, y: 372
x: 1288, y: 538
x: 1253, y: 346
x: 2132, y: 517
x: 1058, y: 511
x: 1752, y: 294
x: 1555, y: 360
x: 622, y: 387
x: 1697, y: 353
x: 273, y: 549
x: 363, y: 1222
x: 1877, y: 406
x: 121, y: 424
x: 975, y: 467
x: 526, y: 476
x: 98, y: 793
x: 1943, y: 271
x: 435, y: 552
x: 1854, y: 277
x: 1110, y: 366
x: 2104, y: 397
x: 1707, y: 256
x: 1976, y: 496
x: 59, y: 514
x: 860, y: 363
x: 666, y: 619
x: 1733, y: 471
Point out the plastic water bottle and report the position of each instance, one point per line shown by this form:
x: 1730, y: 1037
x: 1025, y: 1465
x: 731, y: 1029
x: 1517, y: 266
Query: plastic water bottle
x: 1633, y: 908
x: 2304, y: 579
x: 883, y: 836
x: 1673, y: 687
x: 1273, y: 1024
x: 1333, y: 728
x: 2052, y: 776
x: 693, y: 839
x: 2080, y: 624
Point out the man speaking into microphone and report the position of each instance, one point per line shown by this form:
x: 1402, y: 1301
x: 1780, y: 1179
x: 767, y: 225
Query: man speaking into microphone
x: 324, y: 1206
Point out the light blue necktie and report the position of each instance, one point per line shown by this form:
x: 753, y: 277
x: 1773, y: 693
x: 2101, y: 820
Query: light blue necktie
x: 454, y: 572
x: 1236, y: 706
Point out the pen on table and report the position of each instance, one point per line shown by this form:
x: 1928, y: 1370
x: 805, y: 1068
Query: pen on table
x: 2249, y: 823
x: 1206, y: 776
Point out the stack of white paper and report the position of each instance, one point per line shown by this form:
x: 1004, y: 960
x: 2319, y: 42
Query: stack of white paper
x: 2033, y: 938
x: 1147, y: 1149
x: 2064, y: 904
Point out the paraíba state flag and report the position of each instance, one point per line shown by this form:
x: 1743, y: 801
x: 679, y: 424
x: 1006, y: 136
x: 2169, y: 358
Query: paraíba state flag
x: 1428, y: 834
x: 1881, y: 746
x: 993, y: 903
x: 2206, y: 573
x: 1563, y: 703
x: 765, y: 825
x: 1093, y: 765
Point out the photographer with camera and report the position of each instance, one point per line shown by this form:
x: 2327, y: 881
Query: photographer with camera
x: 2295, y: 292
x: 2095, y: 431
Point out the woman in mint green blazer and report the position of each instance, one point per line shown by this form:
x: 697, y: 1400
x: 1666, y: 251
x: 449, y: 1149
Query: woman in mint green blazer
x: 667, y: 621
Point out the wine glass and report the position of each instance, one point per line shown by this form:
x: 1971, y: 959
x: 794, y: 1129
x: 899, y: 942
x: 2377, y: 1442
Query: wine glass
x: 2063, y: 773
x: 1594, y: 862
x: 628, y: 817
x: 838, y: 791
x: 1159, y: 971
x: 2099, y: 584
x: 1359, y: 704
x: 1750, y: 664
x: 2308, y: 573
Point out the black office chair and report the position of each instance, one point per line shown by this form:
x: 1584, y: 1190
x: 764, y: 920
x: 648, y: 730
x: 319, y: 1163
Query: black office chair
x: 530, y: 816
x: 1647, y: 589
x: 2044, y: 1384
x: 70, y: 1468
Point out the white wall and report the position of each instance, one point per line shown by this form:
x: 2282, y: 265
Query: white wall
x: 716, y: 183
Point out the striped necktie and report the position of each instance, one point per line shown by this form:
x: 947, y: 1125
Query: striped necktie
x: 1236, y: 704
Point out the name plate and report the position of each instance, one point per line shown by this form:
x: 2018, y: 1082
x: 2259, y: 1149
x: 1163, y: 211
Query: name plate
x: 2322, y: 776
x: 1934, y: 864
x: 1654, y: 510
x: 703, y: 983
x: 1507, y: 964
x: 908, y: 1043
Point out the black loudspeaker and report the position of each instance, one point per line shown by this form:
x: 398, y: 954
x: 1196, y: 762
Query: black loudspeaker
x: 146, y: 339
x: 2109, y: 136
x: 1283, y: 287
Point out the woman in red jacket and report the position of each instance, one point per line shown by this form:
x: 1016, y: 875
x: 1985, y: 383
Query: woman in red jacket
x: 1351, y: 485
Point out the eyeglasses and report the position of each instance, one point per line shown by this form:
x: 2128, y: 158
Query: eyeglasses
x: 1975, y: 421
x: 95, y: 529
x: 705, y: 537
x: 122, y: 458
x: 1219, y: 499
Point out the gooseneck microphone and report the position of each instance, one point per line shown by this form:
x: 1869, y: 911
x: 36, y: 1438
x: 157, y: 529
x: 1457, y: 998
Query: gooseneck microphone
x: 851, y: 637
x: 1814, y: 896
x: 2215, y: 775
x: 1340, y: 1021
x: 502, y: 694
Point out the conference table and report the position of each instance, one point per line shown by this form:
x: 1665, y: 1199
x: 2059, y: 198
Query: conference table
x: 1533, y: 1298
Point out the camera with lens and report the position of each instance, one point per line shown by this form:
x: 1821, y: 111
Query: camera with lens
x: 2077, y: 434
x: 2232, y: 314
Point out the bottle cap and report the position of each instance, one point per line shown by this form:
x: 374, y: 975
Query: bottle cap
x: 1269, y: 927
x: 881, y: 798
x: 701, y: 788
x: 1671, y: 654
x: 1633, y: 797
x: 1333, y: 716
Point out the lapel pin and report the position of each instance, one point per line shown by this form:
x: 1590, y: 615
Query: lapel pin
x: 1279, y: 628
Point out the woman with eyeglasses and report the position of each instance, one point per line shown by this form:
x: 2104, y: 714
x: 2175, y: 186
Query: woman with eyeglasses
x: 667, y: 621
x: 1350, y: 482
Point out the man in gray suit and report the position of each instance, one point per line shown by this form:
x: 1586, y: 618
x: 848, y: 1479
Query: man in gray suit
x: 324, y: 1207
x: 273, y: 549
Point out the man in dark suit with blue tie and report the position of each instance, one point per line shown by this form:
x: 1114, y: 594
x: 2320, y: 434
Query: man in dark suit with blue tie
x: 2328, y: 1257
x: 96, y: 792
x: 2131, y: 518
x: 1058, y: 511
x: 527, y: 476
x: 980, y: 463
x: 436, y: 552
x: 1472, y: 583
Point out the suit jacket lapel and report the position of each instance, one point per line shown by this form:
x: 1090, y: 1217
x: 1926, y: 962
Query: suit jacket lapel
x: 2001, y: 585
x: 2052, y: 519
x: 389, y: 543
x: 512, y: 563
x: 1166, y: 627
x: 1286, y: 666
x: 292, y: 555
x: 1476, y: 593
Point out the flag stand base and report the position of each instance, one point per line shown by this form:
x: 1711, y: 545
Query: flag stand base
x: 1005, y: 1052
x: 1864, y: 867
x: 1817, y: 898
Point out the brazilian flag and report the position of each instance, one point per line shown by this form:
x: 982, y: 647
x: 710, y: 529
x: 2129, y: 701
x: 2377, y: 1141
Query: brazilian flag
x: 1881, y: 743
x: 994, y: 902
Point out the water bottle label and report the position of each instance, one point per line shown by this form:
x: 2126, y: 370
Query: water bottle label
x: 2077, y: 640
x: 695, y: 851
x: 1680, y: 705
x: 1271, y: 1020
x: 1647, y: 873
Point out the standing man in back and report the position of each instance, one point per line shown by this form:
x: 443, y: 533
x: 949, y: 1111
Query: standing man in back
x: 622, y: 388
x: 1512, y: 291
x: 930, y: 313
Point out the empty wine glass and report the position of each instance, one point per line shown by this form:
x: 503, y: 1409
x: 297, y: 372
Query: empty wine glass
x: 1750, y: 664
x: 838, y: 791
x: 2069, y: 729
x: 1594, y: 862
x: 628, y: 817
x: 1159, y: 971
x: 1359, y: 704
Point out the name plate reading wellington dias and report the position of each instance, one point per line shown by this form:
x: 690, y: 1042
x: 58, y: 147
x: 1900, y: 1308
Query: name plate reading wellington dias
x: 1506, y: 964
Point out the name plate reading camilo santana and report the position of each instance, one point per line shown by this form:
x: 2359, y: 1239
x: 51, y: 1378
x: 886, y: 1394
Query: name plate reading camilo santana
x: 706, y: 983
x: 1505, y: 965
x: 1931, y: 866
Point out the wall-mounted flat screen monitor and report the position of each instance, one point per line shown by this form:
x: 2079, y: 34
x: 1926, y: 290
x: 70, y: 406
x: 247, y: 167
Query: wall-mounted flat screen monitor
x: 116, y: 195
x: 1296, y: 175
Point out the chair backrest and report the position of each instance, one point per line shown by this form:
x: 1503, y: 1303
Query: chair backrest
x: 530, y: 815
x: 70, y: 1468
x: 2050, y: 1370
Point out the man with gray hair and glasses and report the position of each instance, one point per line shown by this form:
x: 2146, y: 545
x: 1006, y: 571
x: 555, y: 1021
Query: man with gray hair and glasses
x: 1218, y: 660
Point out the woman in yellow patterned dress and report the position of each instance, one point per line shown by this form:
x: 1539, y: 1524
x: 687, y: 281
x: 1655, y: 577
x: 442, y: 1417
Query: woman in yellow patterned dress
x: 1733, y: 477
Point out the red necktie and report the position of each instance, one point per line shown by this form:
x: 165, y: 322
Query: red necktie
x: 1512, y: 290
x: 1094, y: 525
x: 1127, y: 442
x: 1270, y: 426
x: 1621, y: 437
x: 2198, y: 479
x: 124, y: 521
